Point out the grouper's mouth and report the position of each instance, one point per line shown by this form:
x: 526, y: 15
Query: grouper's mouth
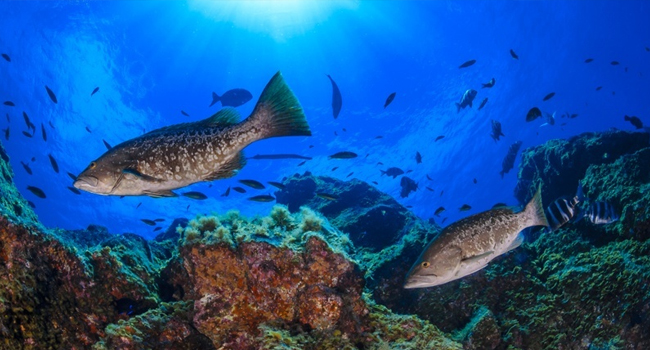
x: 86, y: 183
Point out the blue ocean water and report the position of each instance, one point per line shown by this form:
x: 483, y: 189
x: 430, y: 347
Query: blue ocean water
x: 153, y: 59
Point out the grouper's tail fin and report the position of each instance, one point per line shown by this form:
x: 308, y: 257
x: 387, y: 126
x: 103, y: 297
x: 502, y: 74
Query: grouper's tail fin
x: 278, y: 112
x: 535, y: 210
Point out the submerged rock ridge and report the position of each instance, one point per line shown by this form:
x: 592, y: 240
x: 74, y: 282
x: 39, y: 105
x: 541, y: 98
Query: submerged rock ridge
x: 289, y: 280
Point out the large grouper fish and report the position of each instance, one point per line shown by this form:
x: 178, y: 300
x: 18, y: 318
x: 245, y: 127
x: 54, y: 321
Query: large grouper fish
x: 179, y: 155
x: 469, y: 244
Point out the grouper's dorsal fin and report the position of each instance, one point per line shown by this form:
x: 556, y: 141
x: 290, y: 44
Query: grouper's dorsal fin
x: 225, y: 117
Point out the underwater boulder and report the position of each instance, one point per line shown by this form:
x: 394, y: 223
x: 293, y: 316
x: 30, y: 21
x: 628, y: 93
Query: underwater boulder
x: 372, y: 218
x: 559, y: 164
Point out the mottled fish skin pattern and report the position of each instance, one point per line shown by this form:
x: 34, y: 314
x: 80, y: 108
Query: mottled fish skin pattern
x: 468, y: 245
x: 180, y: 155
x: 492, y: 230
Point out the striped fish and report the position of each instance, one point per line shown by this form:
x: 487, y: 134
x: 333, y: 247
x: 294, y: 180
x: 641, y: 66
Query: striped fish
x: 601, y: 213
x: 564, y: 210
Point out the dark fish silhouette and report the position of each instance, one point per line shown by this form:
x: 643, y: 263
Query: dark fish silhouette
x: 418, y: 157
x: 634, y: 121
x: 72, y: 176
x: 350, y: 174
x: 598, y: 88
x: 9, y: 103
x: 513, y: 54
x: 6, y: 57
x: 439, y: 138
x: 36, y: 191
x: 277, y: 184
x: 51, y: 126
x: 26, y: 167
x: 439, y: 211
x: 328, y: 196
x: 588, y: 60
x: 108, y: 146
x: 343, y: 155
x: 262, y: 198
x: 465, y: 207
x: 429, y: 188
x: 408, y: 186
x: 51, y: 94
x: 475, y: 182
x: 94, y: 91
x: 183, y: 154
x: 148, y: 222
x: 30, y: 125
x: 239, y: 189
x: 466, y: 100
x: 225, y: 194
x: 138, y: 206
x: 509, y: 160
x: 614, y: 63
x: 334, y: 168
x: 184, y: 113
x: 159, y: 220
x: 394, y: 172
x: 232, y: 98
x: 429, y: 177
x: 74, y: 190
x: 337, y: 101
x: 482, y: 103
x: 302, y: 163
x: 408, y: 171
x: 390, y: 99
x: 88, y: 129
x: 467, y: 64
x: 489, y: 84
x: 378, y: 137
x: 27, y: 134
x: 549, y: 96
x: 496, y: 131
x: 157, y: 229
x: 375, y: 182
x: 195, y: 195
x: 253, y: 184
x: 533, y: 114
x: 6, y: 133
x: 43, y: 132
x: 278, y: 156
x: 31, y: 204
x: 55, y: 166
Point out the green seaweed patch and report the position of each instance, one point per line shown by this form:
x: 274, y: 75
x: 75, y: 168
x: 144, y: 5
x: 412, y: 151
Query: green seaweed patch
x: 281, y: 229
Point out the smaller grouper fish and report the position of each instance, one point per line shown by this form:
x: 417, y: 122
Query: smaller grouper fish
x: 183, y: 154
x: 469, y: 244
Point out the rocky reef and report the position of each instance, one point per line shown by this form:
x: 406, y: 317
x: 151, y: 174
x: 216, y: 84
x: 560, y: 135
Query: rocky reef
x: 286, y: 281
x: 326, y: 271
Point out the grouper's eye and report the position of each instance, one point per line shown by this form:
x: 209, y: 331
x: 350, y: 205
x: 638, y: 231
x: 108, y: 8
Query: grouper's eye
x: 93, y: 165
x: 425, y: 264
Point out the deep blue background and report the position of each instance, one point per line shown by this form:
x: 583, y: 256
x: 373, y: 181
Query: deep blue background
x: 153, y: 59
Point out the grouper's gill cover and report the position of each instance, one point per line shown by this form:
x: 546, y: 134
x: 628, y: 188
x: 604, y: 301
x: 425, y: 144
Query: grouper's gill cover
x: 469, y: 244
x: 179, y: 155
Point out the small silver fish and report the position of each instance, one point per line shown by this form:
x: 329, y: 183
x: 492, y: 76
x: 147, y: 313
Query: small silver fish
x: 183, y: 154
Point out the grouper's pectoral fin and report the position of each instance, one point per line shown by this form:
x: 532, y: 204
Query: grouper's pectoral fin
x: 160, y: 194
x: 139, y: 175
x: 229, y: 169
x: 472, y: 264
